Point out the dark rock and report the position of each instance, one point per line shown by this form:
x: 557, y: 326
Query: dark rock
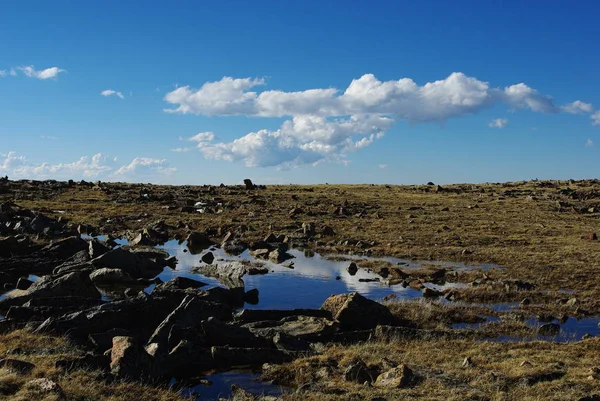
x: 358, y: 372
x: 218, y: 333
x: 182, y: 283
x: 355, y: 312
x: 352, y: 268
x: 208, y: 258
x: 227, y: 357
x: 549, y: 329
x: 198, y: 241
x: 248, y: 183
x: 103, y: 341
x: 133, y: 264
x: 306, y: 328
x: 16, y: 366
x: 97, y: 248
x: 24, y: 284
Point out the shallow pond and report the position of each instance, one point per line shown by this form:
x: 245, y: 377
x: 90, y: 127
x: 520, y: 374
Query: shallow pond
x: 220, y: 386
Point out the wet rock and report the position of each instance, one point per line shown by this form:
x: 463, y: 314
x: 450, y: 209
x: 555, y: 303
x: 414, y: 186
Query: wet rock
x: 286, y: 342
x: 549, y: 329
x: 352, y: 268
x: 110, y: 276
x: 355, y: 312
x: 186, y: 360
x: 142, y: 239
x: 397, y: 377
x: 358, y: 372
x: 128, y: 359
x: 234, y: 246
x: 133, y: 264
x: 24, y: 284
x: 16, y: 366
x: 65, y: 247
x: 251, y: 296
x: 208, y: 258
x: 255, y: 315
x: 45, y: 386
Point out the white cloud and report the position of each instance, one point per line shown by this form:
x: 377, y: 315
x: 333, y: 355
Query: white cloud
x: 202, y: 137
x: 48, y: 73
x: 13, y: 72
x: 99, y: 166
x: 110, y: 92
x: 383, y: 166
x: 49, y: 137
x: 144, y: 166
x: 324, y: 123
x: 181, y: 150
x: 578, y: 107
x: 589, y: 143
x: 3, y: 73
x: 498, y: 123
x: 596, y: 118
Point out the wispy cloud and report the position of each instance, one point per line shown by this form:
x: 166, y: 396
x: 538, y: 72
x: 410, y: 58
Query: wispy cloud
x: 498, y: 123
x: 3, y: 73
x: 596, y: 118
x: 383, y: 166
x: 110, y: 92
x: 49, y: 137
x: 324, y: 124
x: 589, y: 143
x: 47, y: 73
x: 181, y: 150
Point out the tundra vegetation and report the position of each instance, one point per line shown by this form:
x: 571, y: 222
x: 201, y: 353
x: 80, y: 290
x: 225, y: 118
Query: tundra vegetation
x: 490, y: 326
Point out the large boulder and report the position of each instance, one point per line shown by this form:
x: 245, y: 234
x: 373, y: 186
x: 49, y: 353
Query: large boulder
x: 75, y: 284
x: 133, y: 264
x: 355, y: 312
x: 307, y: 328
x: 128, y: 359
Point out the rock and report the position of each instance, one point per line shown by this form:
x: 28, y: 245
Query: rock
x: 97, y: 248
x: 75, y: 284
x: 103, y: 341
x: 190, y: 313
x: 592, y: 236
x: 197, y: 241
x: 133, y: 264
x: 255, y: 315
x: 308, y: 229
x: 549, y: 329
x: 355, y: 312
x: 208, y: 258
x: 181, y: 283
x: 251, y: 296
x: 285, y: 342
x: 65, y: 247
x: 397, y: 377
x: 142, y: 239
x: 306, y: 328
x: 467, y: 362
x: 218, y: 333
x: 234, y: 246
x: 431, y: 293
x: 127, y: 359
x: 110, y: 276
x: 24, y: 284
x: 186, y: 360
x: 352, y: 268
x: 572, y: 302
x: 248, y: 183
x: 525, y: 301
x: 45, y: 386
x: 279, y: 256
x: 16, y: 366
x: 358, y: 372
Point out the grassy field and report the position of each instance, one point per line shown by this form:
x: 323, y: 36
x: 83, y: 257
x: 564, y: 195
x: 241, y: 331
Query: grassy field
x: 540, y: 235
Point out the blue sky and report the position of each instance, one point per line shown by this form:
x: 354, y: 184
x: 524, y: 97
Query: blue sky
x: 299, y: 92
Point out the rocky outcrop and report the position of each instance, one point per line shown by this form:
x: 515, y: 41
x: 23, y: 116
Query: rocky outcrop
x: 355, y: 312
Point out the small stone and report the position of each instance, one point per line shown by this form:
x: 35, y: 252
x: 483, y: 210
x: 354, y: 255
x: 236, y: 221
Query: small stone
x: 45, y: 386
x: 208, y: 258
x: 549, y: 329
x: 467, y: 362
x: 352, y: 268
x: 526, y: 301
x: 397, y: 377
x: 525, y: 363
x: 16, y: 366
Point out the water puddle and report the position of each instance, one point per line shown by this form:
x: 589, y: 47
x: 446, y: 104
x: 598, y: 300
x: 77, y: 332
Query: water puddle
x: 416, y: 264
x: 571, y: 330
x: 220, y: 386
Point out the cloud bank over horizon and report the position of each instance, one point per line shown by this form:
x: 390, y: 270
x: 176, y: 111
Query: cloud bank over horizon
x: 99, y: 166
x: 327, y: 124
